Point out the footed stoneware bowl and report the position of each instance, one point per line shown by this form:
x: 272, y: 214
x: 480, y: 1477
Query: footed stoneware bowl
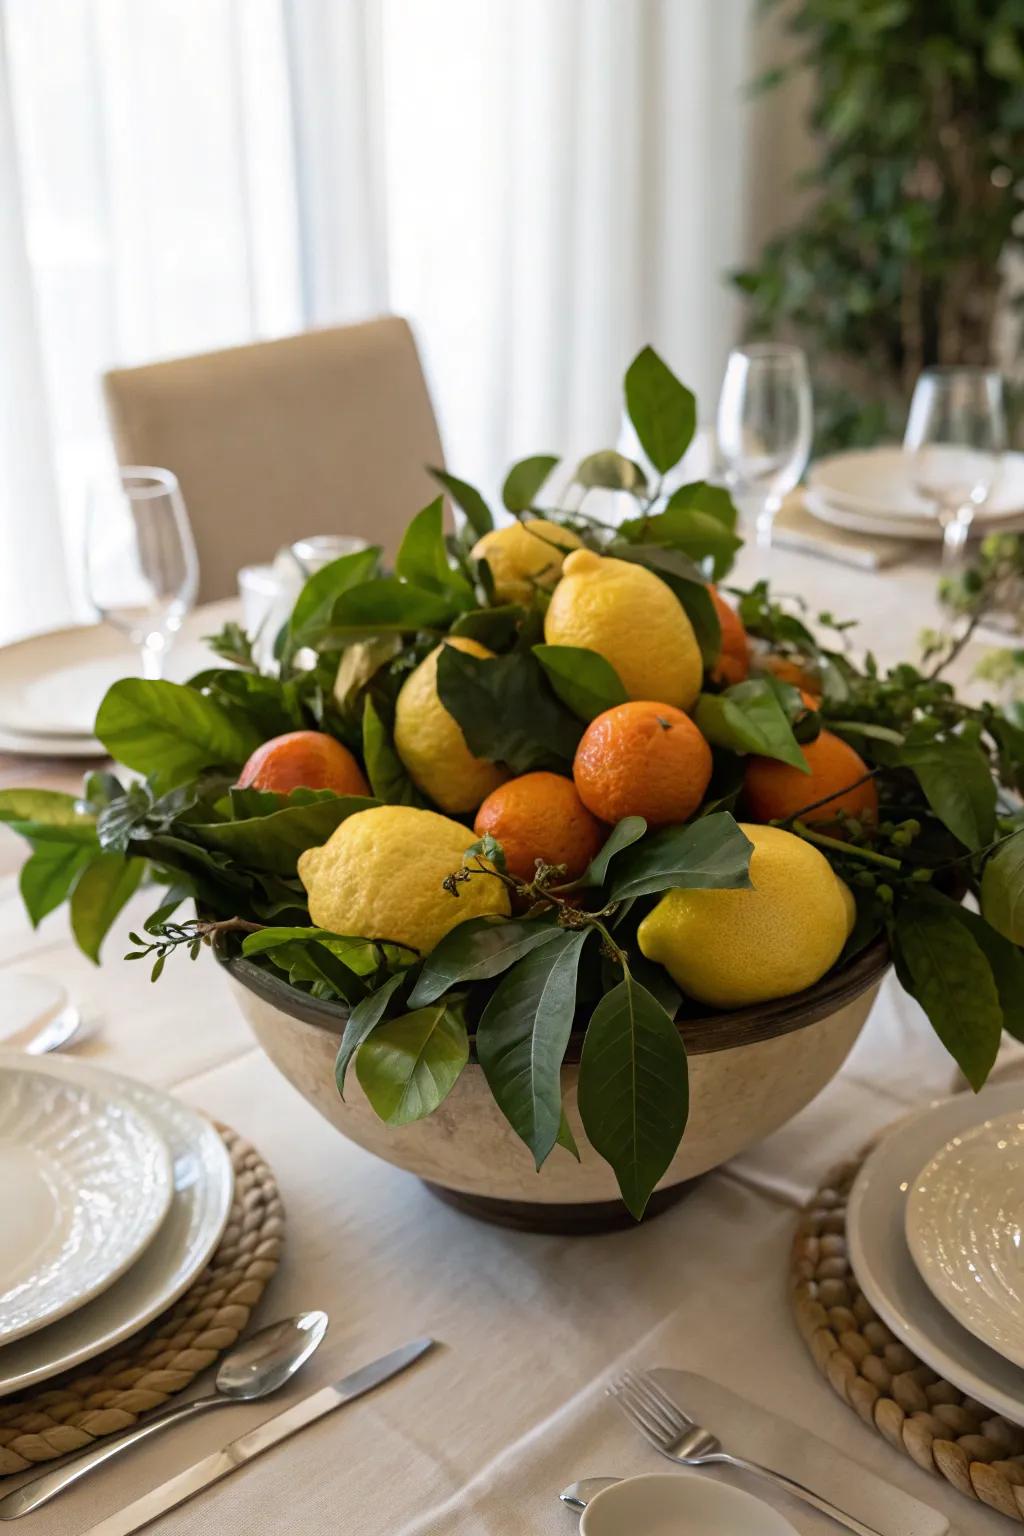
x: 751, y: 1070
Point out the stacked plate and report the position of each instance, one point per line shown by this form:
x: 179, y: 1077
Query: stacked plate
x: 935, y: 1228
x: 113, y: 1197
x: 872, y: 491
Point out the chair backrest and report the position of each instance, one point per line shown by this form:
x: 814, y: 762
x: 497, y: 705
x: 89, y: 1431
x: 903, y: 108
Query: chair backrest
x: 327, y: 432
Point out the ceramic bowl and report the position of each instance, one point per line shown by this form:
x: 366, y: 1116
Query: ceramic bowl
x: 680, y: 1504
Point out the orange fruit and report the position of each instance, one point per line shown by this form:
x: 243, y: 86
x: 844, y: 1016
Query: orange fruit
x: 733, y: 662
x: 642, y: 759
x: 773, y: 790
x: 790, y: 669
x: 303, y: 760
x: 540, y: 816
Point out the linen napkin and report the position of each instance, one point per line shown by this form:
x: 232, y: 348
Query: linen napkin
x: 795, y: 528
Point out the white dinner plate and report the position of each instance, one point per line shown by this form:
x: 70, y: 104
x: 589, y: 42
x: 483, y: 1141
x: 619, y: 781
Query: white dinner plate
x: 51, y: 685
x: 885, y: 1271
x: 878, y: 483
x: 201, y: 1203
x: 965, y: 1231
x: 927, y: 530
x: 85, y: 1181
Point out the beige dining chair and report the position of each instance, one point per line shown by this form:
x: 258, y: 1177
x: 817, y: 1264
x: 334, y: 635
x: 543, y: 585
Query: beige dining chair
x: 327, y: 432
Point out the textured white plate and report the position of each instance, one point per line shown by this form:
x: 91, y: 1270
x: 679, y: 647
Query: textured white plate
x: 875, y: 1217
x: 85, y: 1181
x: 680, y: 1504
x: 203, y: 1188
x: 965, y: 1231
x: 51, y: 685
x: 878, y: 482
x: 927, y: 530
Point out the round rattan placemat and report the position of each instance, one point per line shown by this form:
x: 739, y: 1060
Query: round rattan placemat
x: 928, y: 1419
x: 113, y: 1393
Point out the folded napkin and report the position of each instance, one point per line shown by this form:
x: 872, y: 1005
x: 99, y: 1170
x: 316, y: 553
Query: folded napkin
x: 795, y: 528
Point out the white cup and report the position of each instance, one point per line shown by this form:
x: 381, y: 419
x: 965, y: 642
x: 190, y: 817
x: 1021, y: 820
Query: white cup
x: 680, y: 1504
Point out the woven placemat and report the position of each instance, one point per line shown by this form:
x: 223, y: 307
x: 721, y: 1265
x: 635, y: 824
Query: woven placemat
x: 111, y: 1394
x: 928, y: 1419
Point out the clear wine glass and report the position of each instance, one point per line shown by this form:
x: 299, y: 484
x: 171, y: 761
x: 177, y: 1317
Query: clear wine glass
x: 956, y: 432
x: 765, y: 424
x: 140, y: 559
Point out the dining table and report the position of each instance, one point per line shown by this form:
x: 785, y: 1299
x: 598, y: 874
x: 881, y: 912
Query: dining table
x: 479, y: 1437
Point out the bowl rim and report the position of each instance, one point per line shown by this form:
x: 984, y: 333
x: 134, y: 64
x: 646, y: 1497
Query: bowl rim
x: 724, y: 1030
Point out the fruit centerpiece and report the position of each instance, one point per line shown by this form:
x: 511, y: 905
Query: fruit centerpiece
x: 544, y: 836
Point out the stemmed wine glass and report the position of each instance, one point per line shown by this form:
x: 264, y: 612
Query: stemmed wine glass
x: 140, y: 559
x: 956, y: 432
x: 765, y: 423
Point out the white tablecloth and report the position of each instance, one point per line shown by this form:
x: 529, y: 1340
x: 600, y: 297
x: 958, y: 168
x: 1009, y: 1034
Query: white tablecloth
x: 478, y: 1439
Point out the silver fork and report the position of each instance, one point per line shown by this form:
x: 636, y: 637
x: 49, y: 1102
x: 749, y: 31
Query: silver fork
x: 665, y: 1426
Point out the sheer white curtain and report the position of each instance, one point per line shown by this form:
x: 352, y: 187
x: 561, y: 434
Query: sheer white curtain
x: 540, y: 185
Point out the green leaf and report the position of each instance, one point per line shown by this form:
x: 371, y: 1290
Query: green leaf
x: 384, y: 768
x: 44, y: 807
x: 466, y: 496
x: 584, y: 681
x: 496, y: 628
x: 423, y: 559
x: 565, y: 1137
x: 488, y: 847
x: 504, y: 712
x: 48, y: 875
x: 711, y: 854
x: 713, y: 500
x: 386, y: 606
x: 360, y: 955
x: 409, y: 1065
x: 308, y: 960
x: 274, y: 842
x: 941, y: 964
x: 359, y: 664
x: 749, y: 717
x: 522, y: 1036
x: 1002, y: 889
x: 662, y: 410
x: 477, y: 950
x: 633, y: 1091
x: 170, y: 732
x: 314, y: 604
x: 525, y: 479
x: 695, y: 533
x: 610, y: 471
x: 624, y: 833
x: 691, y: 590
x: 958, y: 785
x: 1007, y: 962
x: 102, y: 890
x: 362, y: 1021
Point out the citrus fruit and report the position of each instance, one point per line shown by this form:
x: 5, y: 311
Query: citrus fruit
x: 636, y: 622
x: 303, y: 760
x: 733, y: 948
x: 733, y: 662
x: 773, y: 791
x: 790, y: 669
x: 431, y: 744
x: 642, y: 759
x: 380, y: 876
x: 540, y: 816
x: 525, y: 556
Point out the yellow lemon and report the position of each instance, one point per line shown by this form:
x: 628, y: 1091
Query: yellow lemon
x: 525, y: 556
x: 431, y: 745
x: 633, y: 620
x: 733, y: 948
x: 380, y: 875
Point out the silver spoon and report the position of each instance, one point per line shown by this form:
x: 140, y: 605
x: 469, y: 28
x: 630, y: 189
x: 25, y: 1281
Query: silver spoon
x: 256, y: 1368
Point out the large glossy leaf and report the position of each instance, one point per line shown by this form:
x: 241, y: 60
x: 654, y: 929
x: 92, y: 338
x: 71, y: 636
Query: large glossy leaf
x: 423, y: 559
x: 941, y: 964
x: 274, y: 842
x: 958, y: 785
x: 1007, y: 962
x: 363, y: 1019
x: 170, y: 732
x: 466, y: 496
x: 504, y: 712
x: 44, y: 807
x: 409, y: 1065
x: 1002, y: 889
x: 477, y: 950
x: 104, y: 886
x: 698, y: 534
x: 623, y: 835
x: 663, y: 411
x: 522, y: 1036
x: 584, y: 681
x: 677, y: 571
x: 750, y: 717
x: 384, y: 768
x: 312, y: 611
x: 633, y: 1092
x: 710, y: 854
x: 610, y: 471
x: 525, y: 479
x: 48, y: 876
x: 387, y: 606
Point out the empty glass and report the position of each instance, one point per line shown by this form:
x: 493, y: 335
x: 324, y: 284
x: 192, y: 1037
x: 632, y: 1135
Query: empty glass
x: 956, y: 432
x: 765, y: 424
x: 140, y: 559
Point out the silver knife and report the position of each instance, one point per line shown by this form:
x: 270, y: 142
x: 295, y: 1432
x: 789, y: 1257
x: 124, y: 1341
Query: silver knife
x: 212, y: 1468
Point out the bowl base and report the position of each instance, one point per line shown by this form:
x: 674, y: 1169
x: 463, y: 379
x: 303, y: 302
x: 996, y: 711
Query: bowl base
x: 557, y: 1218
